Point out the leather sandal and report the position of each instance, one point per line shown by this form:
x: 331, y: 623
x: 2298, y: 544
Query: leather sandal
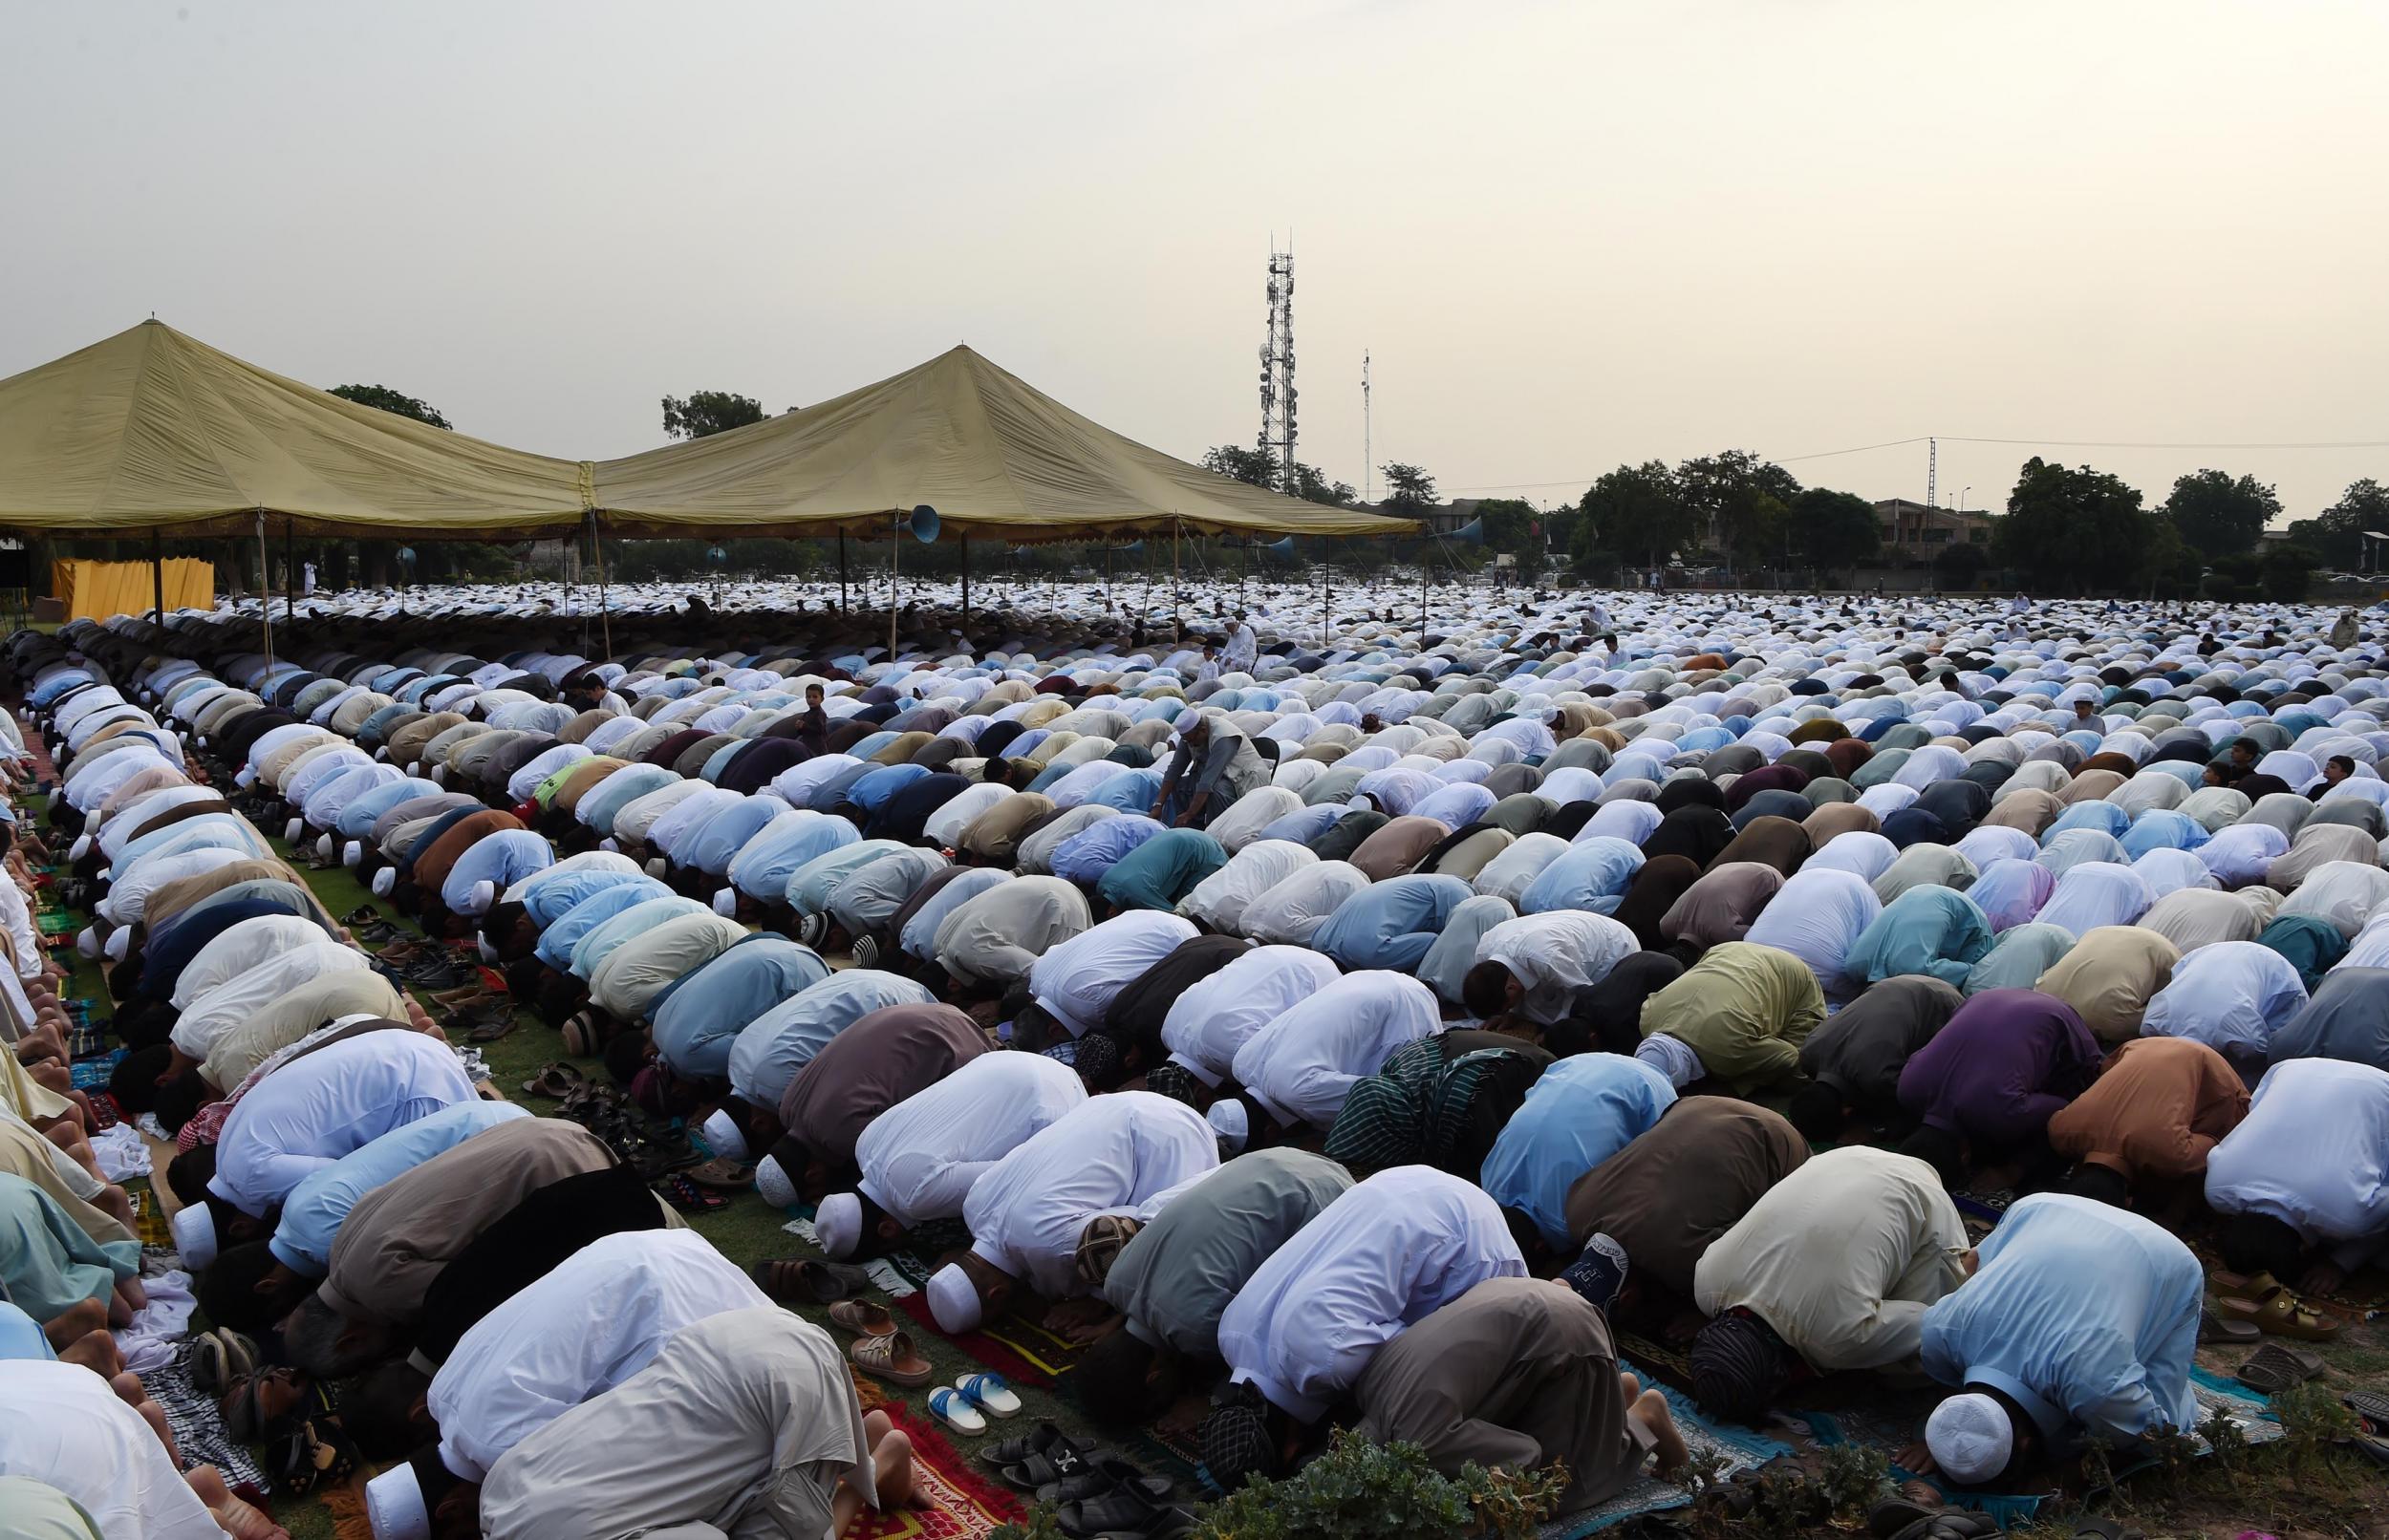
x: 893, y: 1357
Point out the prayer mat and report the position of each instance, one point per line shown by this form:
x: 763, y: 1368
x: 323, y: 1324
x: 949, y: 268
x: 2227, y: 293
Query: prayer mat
x: 907, y: 1270
x: 1176, y: 1457
x: 1738, y: 1448
x: 104, y: 1112
x: 1020, y: 1351
x: 198, y: 1431
x: 87, y: 1041
x: 1670, y: 1360
x: 150, y: 1224
x: 965, y: 1505
x: 869, y: 1391
x: 87, y: 1073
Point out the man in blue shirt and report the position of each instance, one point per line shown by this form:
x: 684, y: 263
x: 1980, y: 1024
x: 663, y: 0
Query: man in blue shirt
x: 250, y: 1287
x: 2080, y: 1321
x: 1583, y: 1110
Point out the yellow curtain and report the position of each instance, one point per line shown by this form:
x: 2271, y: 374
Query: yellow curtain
x: 96, y: 590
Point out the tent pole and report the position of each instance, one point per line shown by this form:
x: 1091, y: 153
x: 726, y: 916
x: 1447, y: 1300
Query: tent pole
x: 265, y: 589
x: 966, y: 580
x: 1422, y: 595
x: 896, y: 568
x: 598, y: 548
x: 157, y: 577
x: 289, y: 572
x: 842, y: 610
x: 1177, y: 631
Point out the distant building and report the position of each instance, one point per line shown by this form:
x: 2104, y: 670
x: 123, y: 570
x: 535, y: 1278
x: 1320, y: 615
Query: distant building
x: 1914, y: 529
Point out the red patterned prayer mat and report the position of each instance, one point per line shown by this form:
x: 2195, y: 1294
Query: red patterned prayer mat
x: 964, y: 1504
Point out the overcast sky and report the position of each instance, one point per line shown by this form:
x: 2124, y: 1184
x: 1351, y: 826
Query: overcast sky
x: 1572, y: 234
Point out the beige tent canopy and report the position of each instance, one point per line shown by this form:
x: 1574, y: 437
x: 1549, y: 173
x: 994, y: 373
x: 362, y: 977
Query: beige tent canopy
x: 993, y: 456
x: 151, y: 430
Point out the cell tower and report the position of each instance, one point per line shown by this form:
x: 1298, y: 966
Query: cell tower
x: 1276, y: 367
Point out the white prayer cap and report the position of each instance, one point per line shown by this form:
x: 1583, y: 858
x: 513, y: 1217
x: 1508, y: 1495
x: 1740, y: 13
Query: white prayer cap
x: 772, y: 1180
x: 658, y: 866
x: 610, y: 846
x: 291, y: 830
x: 722, y: 1136
x: 80, y: 848
x: 954, y: 1299
x: 88, y: 943
x: 726, y: 903
x: 352, y: 854
x: 202, y: 740
x: 381, y: 755
x: 394, y: 1506
x: 119, y: 943
x: 837, y: 1224
x: 1232, y: 1123
x: 323, y: 849
x: 385, y: 880
x: 488, y: 954
x: 1673, y: 1057
x: 440, y: 775
x: 245, y: 778
x: 480, y: 897
x: 195, y: 1235
x: 57, y: 798
x: 1971, y: 1437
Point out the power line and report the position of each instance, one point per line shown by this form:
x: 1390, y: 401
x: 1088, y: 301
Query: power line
x: 1961, y: 439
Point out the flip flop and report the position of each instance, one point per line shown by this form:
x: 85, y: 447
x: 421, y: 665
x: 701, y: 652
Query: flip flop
x: 866, y: 1318
x: 723, y: 1173
x: 2278, y: 1314
x: 2369, y: 1405
x: 1020, y: 1445
x: 954, y: 1410
x: 2214, y: 1328
x: 1123, y: 1510
x: 555, y: 1078
x: 1103, y: 1475
x: 994, y: 1396
x: 809, y: 1279
x: 893, y: 1357
x: 2274, y: 1368
x: 689, y: 1198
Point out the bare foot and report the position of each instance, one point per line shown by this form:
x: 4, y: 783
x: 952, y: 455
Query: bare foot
x: 1650, y: 1410
x: 891, y: 1467
x: 77, y: 1321
x: 95, y: 1351
x: 243, y: 1522
x: 133, y: 1293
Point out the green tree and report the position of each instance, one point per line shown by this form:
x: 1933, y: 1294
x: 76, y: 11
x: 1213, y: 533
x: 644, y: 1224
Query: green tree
x: 1410, y: 491
x: 382, y: 398
x: 1833, y: 529
x: 1737, y: 500
x: 2071, y: 529
x: 1511, y: 525
x: 2285, y: 570
x: 2167, y: 565
x: 2219, y: 516
x: 1255, y: 467
x: 1635, y: 510
x: 2338, y: 535
x: 702, y: 413
x: 1311, y: 485
x: 1957, y: 565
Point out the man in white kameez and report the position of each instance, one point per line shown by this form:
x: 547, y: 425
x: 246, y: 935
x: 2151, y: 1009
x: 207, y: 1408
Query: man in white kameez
x: 746, y: 1425
x: 1534, y: 965
x: 1074, y: 982
x: 1112, y: 1155
x: 920, y: 1157
x: 1377, y: 1260
x: 1300, y: 1067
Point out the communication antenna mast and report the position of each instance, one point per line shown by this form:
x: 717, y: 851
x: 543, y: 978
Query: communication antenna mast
x: 1932, y: 473
x: 1368, y: 455
x: 1277, y: 369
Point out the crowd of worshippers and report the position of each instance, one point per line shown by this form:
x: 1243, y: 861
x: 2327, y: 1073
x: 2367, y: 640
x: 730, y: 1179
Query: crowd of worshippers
x: 1355, y: 1034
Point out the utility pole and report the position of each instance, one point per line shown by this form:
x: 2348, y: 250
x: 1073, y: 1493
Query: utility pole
x: 1368, y: 455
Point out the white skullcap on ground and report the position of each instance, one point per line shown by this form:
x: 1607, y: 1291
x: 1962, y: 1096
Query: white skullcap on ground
x: 954, y: 1299
x: 384, y: 880
x: 80, y: 848
x: 195, y: 1235
x: 722, y: 1136
x: 394, y: 1506
x: 1971, y: 1437
x: 1231, y: 1123
x: 726, y: 903
x: 658, y: 866
x: 323, y: 848
x: 88, y: 942
x: 119, y: 942
x: 837, y: 1224
x: 352, y: 854
x: 291, y: 830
